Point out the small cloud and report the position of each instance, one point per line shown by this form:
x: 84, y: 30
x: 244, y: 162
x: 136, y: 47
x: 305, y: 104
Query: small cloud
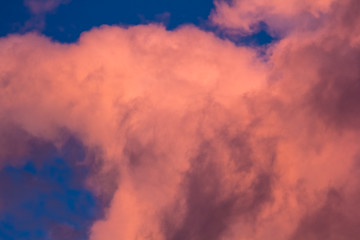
x: 43, y: 6
x: 38, y: 10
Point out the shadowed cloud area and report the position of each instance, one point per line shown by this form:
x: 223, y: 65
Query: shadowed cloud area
x: 244, y: 126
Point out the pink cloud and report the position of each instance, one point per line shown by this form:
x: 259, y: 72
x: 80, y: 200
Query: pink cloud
x: 209, y: 141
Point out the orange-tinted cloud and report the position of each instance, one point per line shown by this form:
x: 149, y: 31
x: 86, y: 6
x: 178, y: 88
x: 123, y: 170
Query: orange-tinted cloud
x: 209, y: 139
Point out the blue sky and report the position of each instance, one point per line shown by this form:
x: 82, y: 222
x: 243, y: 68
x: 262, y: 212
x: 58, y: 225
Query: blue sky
x: 44, y: 197
x: 68, y: 21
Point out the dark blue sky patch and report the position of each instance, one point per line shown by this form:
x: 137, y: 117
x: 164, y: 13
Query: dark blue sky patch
x: 81, y: 15
x: 13, y: 15
x: 48, y: 199
x: 68, y: 21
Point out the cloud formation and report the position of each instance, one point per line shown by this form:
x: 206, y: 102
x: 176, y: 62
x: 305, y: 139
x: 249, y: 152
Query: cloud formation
x: 208, y: 140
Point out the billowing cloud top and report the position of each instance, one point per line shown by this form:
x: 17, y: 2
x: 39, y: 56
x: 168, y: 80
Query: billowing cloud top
x: 190, y: 136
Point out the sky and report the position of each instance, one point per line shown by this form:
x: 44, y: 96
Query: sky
x: 172, y: 120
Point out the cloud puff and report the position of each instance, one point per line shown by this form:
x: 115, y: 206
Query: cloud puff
x: 43, y: 6
x: 209, y: 140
